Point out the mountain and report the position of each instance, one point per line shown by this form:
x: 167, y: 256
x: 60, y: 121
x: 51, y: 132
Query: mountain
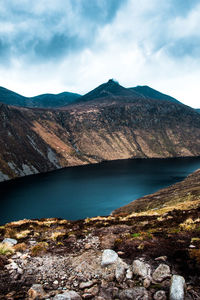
x: 198, y: 109
x: 42, y: 101
x: 112, y: 90
x: 148, y: 92
x: 109, y: 123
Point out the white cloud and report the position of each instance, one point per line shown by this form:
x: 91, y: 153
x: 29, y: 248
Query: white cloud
x: 139, y: 46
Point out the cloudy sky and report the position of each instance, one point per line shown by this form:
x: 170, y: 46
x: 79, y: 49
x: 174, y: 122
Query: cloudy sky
x: 75, y: 45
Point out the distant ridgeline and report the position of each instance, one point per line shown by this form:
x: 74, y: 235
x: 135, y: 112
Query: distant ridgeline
x: 41, y: 101
x: 108, y: 123
x: 66, y: 98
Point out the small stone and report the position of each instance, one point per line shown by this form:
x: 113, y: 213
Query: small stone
x: 93, y: 290
x: 177, y: 288
x: 20, y: 271
x: 9, y: 241
x: 147, y: 282
x: 141, y: 269
x: 87, y: 284
x: 134, y: 293
x: 108, y: 257
x: 68, y: 295
x: 160, y: 295
x: 55, y: 282
x: 87, y: 246
x: 162, y: 272
x: 87, y: 296
x: 162, y: 258
x: 120, y: 271
x: 129, y: 274
x: 36, y: 292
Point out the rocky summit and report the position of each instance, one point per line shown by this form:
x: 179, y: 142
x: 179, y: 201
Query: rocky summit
x: 109, y: 123
x: 148, y: 254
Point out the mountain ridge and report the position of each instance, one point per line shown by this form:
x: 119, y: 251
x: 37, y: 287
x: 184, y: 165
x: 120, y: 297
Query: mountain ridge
x: 54, y: 100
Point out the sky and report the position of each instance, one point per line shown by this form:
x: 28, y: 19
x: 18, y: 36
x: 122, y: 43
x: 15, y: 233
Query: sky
x: 49, y: 46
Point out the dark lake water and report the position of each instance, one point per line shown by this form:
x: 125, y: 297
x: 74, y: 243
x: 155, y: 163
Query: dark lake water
x: 87, y: 191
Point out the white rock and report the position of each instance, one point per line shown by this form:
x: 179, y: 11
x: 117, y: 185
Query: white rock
x: 141, y: 269
x: 9, y: 241
x: 177, y: 288
x: 129, y: 274
x: 68, y: 295
x: 162, y: 272
x: 108, y: 257
x: 120, y: 271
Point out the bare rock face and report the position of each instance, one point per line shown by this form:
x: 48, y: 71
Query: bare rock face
x: 162, y: 272
x: 177, y: 288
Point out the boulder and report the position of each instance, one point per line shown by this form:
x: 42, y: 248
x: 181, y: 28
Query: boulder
x: 162, y: 272
x: 134, y: 293
x: 177, y: 288
x: 108, y: 257
x: 36, y: 292
x: 141, y: 269
x: 160, y: 295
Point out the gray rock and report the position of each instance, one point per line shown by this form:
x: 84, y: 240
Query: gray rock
x: 68, y: 295
x: 160, y: 295
x: 108, y: 257
x: 177, y: 288
x: 141, y: 269
x: 120, y: 271
x: 134, y: 293
x: 36, y: 292
x: 87, y: 284
x: 162, y: 272
x: 9, y: 241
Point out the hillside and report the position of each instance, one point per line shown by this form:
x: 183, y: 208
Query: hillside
x: 41, y: 101
x: 145, y: 255
x: 107, y: 127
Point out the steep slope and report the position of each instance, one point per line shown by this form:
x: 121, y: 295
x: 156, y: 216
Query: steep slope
x: 42, y: 101
x: 119, y: 126
x: 148, y: 92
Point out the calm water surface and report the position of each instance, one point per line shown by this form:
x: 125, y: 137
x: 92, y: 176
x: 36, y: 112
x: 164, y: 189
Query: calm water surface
x: 87, y: 191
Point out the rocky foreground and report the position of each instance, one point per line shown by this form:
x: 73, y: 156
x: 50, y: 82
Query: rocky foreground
x: 151, y: 254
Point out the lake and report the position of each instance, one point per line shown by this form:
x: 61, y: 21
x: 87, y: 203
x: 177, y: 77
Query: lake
x: 92, y: 190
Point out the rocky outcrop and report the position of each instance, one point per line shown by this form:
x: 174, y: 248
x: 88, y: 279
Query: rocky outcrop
x: 117, y: 124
